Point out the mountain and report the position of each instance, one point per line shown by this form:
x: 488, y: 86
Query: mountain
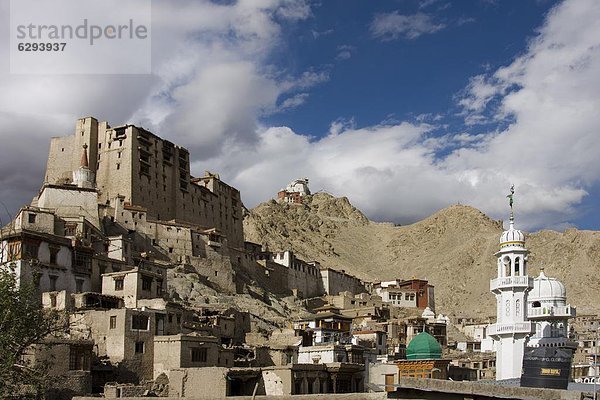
x: 453, y: 249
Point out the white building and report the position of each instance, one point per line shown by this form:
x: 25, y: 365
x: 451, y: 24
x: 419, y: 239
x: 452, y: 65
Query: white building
x: 511, y: 330
x: 298, y: 186
x: 530, y: 312
x: 391, y: 293
x: 548, y: 310
x: 294, y: 192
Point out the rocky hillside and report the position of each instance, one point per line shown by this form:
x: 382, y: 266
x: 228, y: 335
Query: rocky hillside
x: 453, y: 249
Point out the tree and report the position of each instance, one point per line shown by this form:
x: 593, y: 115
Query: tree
x: 23, y: 323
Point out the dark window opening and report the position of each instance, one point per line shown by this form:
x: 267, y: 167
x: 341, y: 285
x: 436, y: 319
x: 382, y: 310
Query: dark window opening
x: 53, y: 279
x: 199, y: 354
x: 139, y: 322
x: 147, y: 284
x: 139, y: 347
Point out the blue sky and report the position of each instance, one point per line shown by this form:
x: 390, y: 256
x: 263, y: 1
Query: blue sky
x: 405, y: 107
x: 400, y: 78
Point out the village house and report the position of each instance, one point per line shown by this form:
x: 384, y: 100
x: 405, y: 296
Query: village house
x: 189, y: 351
x: 406, y: 293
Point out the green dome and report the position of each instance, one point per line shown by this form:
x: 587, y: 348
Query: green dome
x: 422, y: 347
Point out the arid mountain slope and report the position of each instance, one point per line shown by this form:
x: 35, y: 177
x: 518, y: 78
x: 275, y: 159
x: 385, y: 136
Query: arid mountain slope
x: 454, y: 249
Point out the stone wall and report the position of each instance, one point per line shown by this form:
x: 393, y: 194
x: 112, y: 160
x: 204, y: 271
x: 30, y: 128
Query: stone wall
x: 347, y: 396
x: 411, y: 388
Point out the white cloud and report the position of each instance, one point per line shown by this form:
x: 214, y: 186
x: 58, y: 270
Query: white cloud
x: 391, y: 26
x: 344, y: 52
x: 210, y: 85
x: 294, y: 101
x: 550, y: 150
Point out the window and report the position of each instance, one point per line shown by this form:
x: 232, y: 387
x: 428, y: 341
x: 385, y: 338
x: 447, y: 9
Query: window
x: 70, y: 229
x: 82, y: 261
x: 14, y: 251
x: 78, y: 285
x: 139, y: 347
x: 79, y: 358
x: 30, y: 249
x: 31, y: 218
x: 53, y: 300
x: 199, y: 354
x: 113, y: 322
x: 159, y: 284
x: 54, y: 254
x: 146, y: 284
x: 139, y: 322
x: 119, y: 284
x: 53, y: 279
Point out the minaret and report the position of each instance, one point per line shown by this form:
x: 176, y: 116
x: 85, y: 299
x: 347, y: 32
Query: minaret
x: 83, y: 177
x: 511, y: 329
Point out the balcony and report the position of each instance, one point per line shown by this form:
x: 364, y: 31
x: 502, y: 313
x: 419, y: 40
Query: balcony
x: 511, y: 281
x: 551, y: 312
x: 510, y: 328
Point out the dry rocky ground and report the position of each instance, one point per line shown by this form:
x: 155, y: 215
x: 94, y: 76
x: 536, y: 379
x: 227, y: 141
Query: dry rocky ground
x: 453, y: 249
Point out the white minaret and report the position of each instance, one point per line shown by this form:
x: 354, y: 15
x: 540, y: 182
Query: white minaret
x: 511, y: 329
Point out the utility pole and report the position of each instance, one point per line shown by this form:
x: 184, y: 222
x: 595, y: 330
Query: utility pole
x: 595, y: 362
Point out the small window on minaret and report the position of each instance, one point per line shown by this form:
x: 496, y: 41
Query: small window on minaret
x: 517, y: 266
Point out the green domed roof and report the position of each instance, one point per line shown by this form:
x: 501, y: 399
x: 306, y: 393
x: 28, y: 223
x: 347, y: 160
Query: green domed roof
x: 422, y: 347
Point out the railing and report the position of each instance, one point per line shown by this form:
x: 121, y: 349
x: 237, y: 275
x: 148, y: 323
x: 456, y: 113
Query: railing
x: 511, y: 281
x: 559, y: 312
x: 517, y: 327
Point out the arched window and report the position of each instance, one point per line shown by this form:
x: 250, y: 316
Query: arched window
x: 536, y: 304
x: 518, y: 307
x: 517, y: 266
x: 506, y: 263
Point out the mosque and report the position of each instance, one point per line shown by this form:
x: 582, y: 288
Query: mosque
x: 531, y: 313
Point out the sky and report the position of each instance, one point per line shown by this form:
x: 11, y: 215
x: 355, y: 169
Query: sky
x: 405, y: 107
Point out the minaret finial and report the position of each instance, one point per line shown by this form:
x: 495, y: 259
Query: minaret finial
x: 84, y: 157
x: 510, y: 203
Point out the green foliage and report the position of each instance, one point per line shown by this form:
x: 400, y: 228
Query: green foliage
x: 22, y: 323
